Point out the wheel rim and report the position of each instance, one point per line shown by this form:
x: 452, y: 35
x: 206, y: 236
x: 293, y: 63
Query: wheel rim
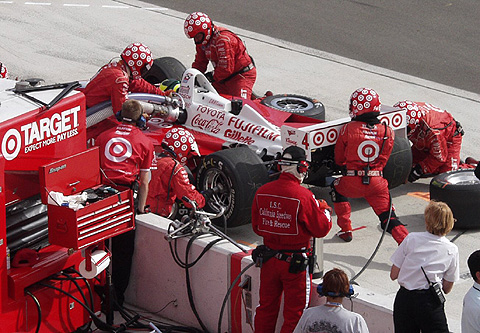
x: 291, y: 104
x: 462, y: 178
x: 217, y: 178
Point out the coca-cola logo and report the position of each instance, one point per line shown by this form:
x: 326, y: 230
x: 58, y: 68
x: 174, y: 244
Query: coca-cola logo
x: 209, y: 125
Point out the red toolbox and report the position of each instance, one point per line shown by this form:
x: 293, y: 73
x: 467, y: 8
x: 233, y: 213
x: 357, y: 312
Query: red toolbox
x: 97, y: 221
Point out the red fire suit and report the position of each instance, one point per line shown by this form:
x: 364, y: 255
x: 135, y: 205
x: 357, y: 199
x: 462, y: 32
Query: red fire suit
x: 124, y: 152
x: 360, y: 145
x: 170, y: 181
x: 287, y: 216
x: 436, y: 142
x: 229, y: 56
x: 112, y: 83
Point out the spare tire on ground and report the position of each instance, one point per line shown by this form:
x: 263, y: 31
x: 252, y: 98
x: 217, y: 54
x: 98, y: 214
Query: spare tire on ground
x: 460, y: 190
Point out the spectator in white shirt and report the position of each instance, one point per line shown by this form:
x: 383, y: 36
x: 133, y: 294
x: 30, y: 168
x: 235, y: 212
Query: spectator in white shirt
x: 415, y: 307
x: 471, y: 301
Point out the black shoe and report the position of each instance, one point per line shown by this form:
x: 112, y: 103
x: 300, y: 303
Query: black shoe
x: 345, y: 235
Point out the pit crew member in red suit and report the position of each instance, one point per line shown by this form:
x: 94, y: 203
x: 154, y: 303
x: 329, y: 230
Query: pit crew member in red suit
x: 234, y: 71
x: 436, y: 139
x: 363, y: 148
x: 3, y: 72
x: 126, y: 157
x: 116, y: 79
x: 287, y: 216
x: 170, y: 180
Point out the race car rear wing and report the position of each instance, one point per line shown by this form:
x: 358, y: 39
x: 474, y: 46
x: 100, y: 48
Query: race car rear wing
x: 325, y: 134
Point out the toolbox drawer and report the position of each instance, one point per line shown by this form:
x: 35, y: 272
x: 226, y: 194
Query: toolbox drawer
x: 96, y: 222
x: 111, y: 215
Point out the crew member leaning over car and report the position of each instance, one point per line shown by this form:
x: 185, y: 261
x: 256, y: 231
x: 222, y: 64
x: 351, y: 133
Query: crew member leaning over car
x: 170, y: 180
x: 287, y: 216
x: 116, y: 79
x: 363, y: 148
x: 234, y: 71
x: 436, y: 139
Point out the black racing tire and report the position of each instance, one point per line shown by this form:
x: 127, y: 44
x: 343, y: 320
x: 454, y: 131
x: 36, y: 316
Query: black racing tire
x: 301, y: 105
x: 240, y: 172
x: 399, y: 164
x: 460, y: 190
x: 165, y: 68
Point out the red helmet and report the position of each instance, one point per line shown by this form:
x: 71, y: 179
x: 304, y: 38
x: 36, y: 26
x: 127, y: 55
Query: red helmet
x: 196, y: 23
x: 363, y: 100
x: 182, y: 143
x: 138, y: 58
x: 414, y: 113
x: 3, y: 71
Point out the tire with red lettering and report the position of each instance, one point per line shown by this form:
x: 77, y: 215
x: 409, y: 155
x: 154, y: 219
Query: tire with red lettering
x: 238, y: 173
x: 301, y: 105
x: 165, y: 68
x: 460, y: 190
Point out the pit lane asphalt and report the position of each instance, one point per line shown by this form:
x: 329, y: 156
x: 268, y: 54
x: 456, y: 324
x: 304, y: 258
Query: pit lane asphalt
x: 431, y: 39
x: 62, y: 43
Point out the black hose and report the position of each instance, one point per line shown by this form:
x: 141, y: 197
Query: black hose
x: 229, y: 291
x: 85, y: 327
x: 179, y: 262
x: 352, y: 281
x: 100, y: 324
x: 189, y: 287
x: 39, y: 309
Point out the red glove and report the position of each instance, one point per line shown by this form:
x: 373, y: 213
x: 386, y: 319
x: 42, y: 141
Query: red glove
x: 323, y: 205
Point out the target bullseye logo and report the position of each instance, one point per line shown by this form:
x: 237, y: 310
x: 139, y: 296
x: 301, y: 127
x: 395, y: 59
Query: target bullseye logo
x: 11, y: 144
x: 118, y: 150
x: 385, y: 120
x: 318, y: 138
x: 332, y: 135
x: 397, y: 120
x: 368, y: 151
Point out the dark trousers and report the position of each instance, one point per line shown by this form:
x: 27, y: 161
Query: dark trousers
x: 416, y: 310
x: 122, y: 254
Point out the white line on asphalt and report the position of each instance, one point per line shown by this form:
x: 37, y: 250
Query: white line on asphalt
x: 113, y: 6
x: 6, y: 1
x: 155, y: 8
x: 75, y: 5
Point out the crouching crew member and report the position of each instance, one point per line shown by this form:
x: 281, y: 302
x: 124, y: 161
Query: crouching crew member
x: 436, y: 140
x: 126, y: 157
x: 287, y: 216
x: 170, y: 179
x: 363, y: 148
